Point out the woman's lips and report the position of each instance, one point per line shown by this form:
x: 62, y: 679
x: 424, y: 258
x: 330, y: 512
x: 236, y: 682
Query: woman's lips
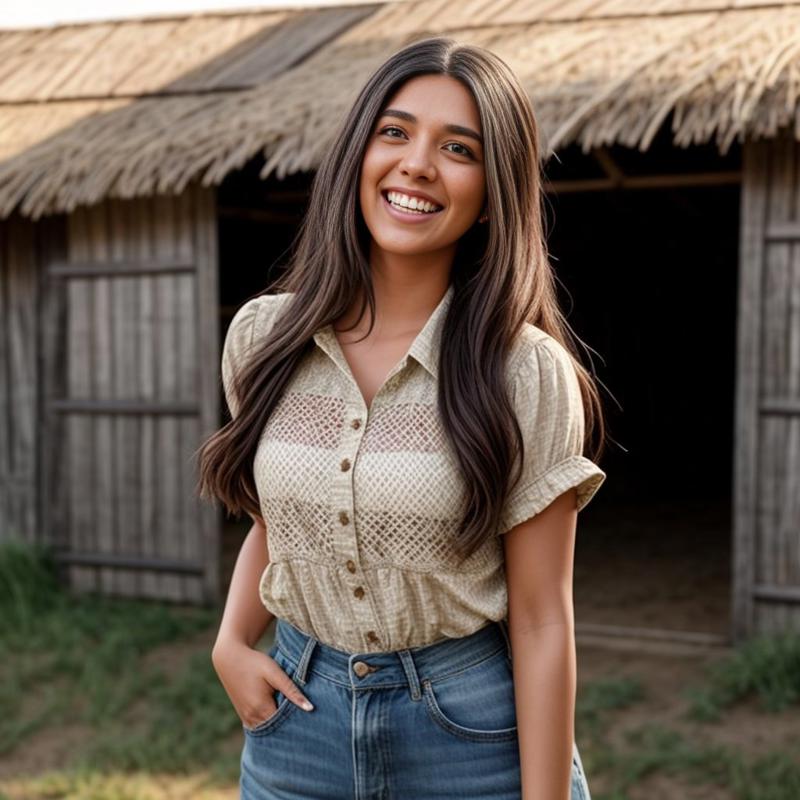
x: 404, y: 216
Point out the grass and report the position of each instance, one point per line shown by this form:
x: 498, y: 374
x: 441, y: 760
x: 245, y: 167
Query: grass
x: 653, y: 749
x: 599, y: 697
x: 766, y: 668
x: 79, y: 662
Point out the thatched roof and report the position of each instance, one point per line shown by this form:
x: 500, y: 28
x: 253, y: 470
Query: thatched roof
x: 136, y: 107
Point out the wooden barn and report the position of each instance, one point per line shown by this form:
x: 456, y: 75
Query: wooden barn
x: 153, y: 173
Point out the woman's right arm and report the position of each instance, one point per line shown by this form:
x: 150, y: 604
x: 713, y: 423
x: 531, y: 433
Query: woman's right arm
x: 245, y: 619
x: 249, y: 676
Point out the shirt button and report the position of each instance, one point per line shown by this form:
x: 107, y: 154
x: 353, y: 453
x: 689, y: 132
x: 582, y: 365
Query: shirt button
x: 345, y: 464
x: 372, y: 636
x: 351, y: 565
x: 356, y: 423
x: 359, y: 592
x: 343, y: 518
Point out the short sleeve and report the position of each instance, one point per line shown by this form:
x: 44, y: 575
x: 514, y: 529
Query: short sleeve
x: 250, y: 324
x: 549, y: 407
x: 238, y: 340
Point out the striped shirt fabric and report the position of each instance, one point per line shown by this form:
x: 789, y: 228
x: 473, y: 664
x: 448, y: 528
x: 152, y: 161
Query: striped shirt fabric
x: 361, y: 504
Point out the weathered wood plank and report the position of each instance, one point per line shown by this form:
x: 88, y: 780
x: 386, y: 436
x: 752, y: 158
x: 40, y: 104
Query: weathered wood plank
x: 80, y: 430
x: 53, y: 496
x: 142, y: 253
x: 5, y: 399
x: 775, y: 463
x: 207, y: 323
x: 746, y: 426
x: 136, y: 397
x: 102, y: 359
x: 126, y: 427
x: 19, y: 393
x: 189, y: 544
x: 167, y: 312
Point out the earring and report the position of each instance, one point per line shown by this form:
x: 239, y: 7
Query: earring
x: 483, y: 218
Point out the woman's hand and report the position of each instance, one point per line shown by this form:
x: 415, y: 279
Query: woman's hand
x: 250, y: 678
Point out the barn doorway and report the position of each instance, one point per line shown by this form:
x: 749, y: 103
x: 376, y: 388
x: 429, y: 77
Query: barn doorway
x: 257, y: 221
x: 651, y: 267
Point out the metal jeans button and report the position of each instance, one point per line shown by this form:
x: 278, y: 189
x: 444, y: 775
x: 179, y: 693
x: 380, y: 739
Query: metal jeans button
x: 360, y: 668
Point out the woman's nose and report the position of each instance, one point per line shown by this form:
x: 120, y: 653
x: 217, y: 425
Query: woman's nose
x: 417, y: 159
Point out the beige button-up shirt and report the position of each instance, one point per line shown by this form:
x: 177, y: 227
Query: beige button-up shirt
x: 361, y: 506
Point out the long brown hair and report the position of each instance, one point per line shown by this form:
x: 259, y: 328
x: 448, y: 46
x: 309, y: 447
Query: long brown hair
x: 501, y: 276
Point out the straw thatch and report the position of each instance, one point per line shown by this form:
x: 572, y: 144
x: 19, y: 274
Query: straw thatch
x: 132, y: 108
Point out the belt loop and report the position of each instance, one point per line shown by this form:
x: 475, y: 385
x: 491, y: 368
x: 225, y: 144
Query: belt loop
x: 503, y: 623
x: 302, y: 666
x: 411, y: 673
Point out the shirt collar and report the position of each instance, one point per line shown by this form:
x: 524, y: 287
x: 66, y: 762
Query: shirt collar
x: 424, y: 348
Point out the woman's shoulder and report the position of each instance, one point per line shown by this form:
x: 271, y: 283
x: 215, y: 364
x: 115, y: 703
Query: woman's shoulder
x: 535, y: 348
x: 255, y: 318
x: 252, y: 321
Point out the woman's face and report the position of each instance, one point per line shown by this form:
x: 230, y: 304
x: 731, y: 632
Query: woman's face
x: 412, y: 149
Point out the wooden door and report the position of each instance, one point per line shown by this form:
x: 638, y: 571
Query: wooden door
x: 130, y: 344
x: 766, y: 568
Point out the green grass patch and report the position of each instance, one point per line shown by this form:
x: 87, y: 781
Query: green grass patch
x: 651, y: 749
x: 599, y: 697
x: 80, y: 660
x: 765, y: 667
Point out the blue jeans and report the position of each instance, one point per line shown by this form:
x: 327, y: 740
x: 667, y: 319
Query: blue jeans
x: 430, y: 722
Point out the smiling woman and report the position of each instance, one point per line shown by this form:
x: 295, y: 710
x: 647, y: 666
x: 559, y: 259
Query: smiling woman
x: 408, y: 429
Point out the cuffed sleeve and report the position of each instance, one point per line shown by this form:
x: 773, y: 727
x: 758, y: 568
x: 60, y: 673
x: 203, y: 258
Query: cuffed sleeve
x: 549, y: 407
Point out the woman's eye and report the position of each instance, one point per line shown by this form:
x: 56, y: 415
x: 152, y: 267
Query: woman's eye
x: 466, y: 150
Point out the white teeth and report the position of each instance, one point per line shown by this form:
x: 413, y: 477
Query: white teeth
x: 411, y: 203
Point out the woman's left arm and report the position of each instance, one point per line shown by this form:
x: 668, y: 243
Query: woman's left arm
x: 539, y: 556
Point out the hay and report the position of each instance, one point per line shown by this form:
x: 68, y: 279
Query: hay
x: 133, y: 108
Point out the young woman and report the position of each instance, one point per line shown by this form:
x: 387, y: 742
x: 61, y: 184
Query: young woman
x: 407, y: 433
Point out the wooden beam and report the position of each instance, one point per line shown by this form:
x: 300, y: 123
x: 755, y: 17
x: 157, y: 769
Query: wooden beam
x: 655, y: 634
x: 609, y: 166
x: 688, y: 180
x: 114, y: 270
x: 783, y: 406
x: 260, y: 215
x: 783, y: 232
x: 78, y: 406
x: 776, y: 594
x: 130, y: 562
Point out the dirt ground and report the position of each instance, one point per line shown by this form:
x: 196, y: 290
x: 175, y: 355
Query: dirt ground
x: 655, y: 565
x: 665, y: 671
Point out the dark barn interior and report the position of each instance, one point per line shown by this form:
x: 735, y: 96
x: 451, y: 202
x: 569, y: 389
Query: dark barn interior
x: 645, y: 246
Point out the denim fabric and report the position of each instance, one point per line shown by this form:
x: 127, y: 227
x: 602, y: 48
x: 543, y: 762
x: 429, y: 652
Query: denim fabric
x: 420, y: 724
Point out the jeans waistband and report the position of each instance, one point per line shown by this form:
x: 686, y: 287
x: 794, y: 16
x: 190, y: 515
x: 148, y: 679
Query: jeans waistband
x: 389, y: 668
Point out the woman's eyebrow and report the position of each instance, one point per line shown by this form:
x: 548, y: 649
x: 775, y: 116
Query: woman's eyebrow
x: 452, y: 128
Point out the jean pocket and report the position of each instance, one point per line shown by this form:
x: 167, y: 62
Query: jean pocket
x: 475, y: 703
x: 284, y: 705
x: 580, y: 786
